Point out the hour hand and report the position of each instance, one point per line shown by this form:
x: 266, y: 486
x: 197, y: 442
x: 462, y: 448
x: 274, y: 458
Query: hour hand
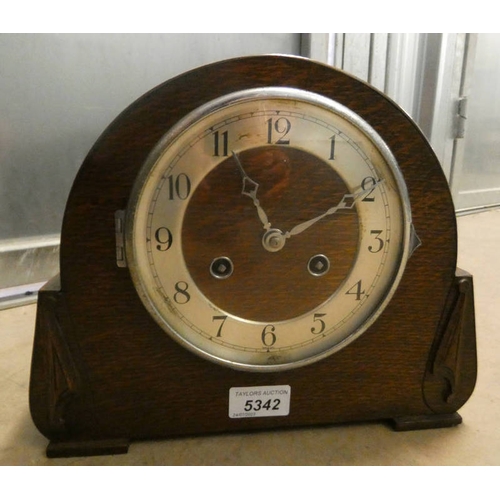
x: 249, y: 188
x: 347, y: 203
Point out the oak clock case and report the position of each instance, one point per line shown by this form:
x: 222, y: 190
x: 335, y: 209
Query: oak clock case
x: 253, y: 235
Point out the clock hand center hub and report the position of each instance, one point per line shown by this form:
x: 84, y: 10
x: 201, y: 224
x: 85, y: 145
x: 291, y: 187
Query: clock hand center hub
x: 273, y: 240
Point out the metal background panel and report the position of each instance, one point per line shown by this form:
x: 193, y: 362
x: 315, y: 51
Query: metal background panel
x: 476, y: 180
x: 58, y: 92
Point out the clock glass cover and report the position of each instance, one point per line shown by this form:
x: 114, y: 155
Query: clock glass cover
x: 268, y: 229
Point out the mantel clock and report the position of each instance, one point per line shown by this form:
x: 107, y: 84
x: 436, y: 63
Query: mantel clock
x: 263, y: 242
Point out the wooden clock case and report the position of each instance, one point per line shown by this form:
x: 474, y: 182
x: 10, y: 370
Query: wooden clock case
x: 104, y: 373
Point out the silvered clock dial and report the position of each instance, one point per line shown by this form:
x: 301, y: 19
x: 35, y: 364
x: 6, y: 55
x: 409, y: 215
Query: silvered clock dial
x: 268, y: 229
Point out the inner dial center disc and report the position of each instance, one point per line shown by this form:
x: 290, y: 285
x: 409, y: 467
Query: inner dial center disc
x: 222, y: 223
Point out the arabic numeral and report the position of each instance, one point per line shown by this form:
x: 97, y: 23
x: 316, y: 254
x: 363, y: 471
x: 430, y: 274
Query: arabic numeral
x: 380, y: 242
x: 320, y: 324
x: 332, y: 147
x: 178, y: 187
x: 220, y: 143
x: 356, y: 290
x: 181, y: 295
x: 164, y: 238
x: 268, y: 336
x: 280, y: 126
x: 222, y: 319
x: 259, y: 404
x: 367, y: 183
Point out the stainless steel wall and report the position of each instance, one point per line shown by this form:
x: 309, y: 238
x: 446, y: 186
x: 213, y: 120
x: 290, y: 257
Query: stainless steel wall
x: 58, y: 92
x: 476, y: 180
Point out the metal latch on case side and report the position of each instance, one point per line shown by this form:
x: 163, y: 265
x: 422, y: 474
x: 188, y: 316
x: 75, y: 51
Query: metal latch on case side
x: 415, y: 241
x: 121, y: 260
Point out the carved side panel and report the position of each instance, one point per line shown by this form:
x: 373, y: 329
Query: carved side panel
x: 54, y: 377
x: 452, y: 366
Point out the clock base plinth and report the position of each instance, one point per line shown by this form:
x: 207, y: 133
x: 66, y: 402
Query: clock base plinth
x: 66, y: 449
x: 421, y: 422
x: 89, y: 448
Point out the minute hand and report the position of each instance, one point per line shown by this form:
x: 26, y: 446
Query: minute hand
x: 347, y: 203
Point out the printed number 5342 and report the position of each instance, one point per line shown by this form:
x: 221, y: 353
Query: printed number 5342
x: 258, y: 404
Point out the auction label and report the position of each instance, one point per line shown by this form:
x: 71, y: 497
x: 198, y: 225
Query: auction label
x: 265, y: 401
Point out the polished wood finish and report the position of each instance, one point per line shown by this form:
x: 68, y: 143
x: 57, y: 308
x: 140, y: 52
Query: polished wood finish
x: 104, y: 372
x: 294, y: 187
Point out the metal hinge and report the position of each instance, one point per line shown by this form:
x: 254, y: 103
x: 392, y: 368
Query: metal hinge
x: 121, y: 260
x: 462, y: 117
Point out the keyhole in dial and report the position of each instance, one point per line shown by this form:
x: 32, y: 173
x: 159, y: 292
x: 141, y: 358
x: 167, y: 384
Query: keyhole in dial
x: 318, y: 265
x: 221, y: 268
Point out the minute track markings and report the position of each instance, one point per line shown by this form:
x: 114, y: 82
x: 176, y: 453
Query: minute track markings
x: 370, y: 189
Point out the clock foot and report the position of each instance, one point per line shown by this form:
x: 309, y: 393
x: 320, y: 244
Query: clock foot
x: 419, y: 422
x: 66, y: 449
